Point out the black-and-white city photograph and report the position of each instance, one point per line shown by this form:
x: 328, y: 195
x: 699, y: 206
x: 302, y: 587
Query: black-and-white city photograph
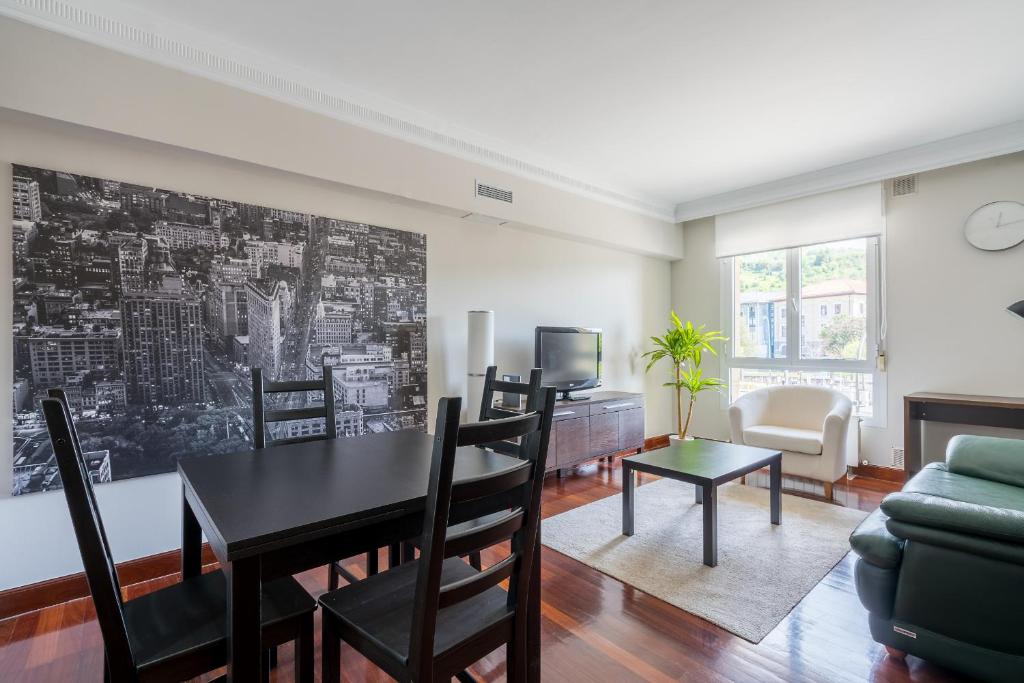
x: 150, y: 307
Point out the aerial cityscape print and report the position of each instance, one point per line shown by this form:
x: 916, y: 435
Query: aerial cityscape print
x: 149, y: 307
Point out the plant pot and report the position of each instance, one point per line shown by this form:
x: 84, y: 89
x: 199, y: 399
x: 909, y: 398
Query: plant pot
x: 674, y: 439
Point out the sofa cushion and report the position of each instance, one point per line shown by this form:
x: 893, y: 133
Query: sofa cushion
x: 987, y: 457
x: 784, y: 438
x: 938, y: 498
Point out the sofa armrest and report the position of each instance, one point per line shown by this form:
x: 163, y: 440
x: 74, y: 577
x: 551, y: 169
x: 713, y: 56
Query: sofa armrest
x: 872, y: 541
x: 1001, y: 524
x: 987, y: 457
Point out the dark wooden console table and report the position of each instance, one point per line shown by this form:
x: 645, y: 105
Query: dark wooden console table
x: 608, y: 422
x: 985, y: 411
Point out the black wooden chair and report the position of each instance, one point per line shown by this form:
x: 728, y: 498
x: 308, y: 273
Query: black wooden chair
x: 178, y: 632
x: 262, y: 416
x: 430, y: 619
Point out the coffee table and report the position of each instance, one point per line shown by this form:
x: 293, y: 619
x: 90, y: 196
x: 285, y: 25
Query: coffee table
x: 706, y: 464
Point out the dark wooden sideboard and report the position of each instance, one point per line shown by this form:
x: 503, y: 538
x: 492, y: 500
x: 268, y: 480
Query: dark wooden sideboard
x: 988, y: 411
x: 606, y: 423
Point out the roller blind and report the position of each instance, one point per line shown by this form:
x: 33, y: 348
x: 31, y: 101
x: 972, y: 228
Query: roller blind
x: 828, y: 217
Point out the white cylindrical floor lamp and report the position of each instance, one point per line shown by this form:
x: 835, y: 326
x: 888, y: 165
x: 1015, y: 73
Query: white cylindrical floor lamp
x: 479, y: 355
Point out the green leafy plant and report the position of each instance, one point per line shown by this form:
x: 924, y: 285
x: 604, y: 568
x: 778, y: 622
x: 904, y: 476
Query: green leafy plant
x: 684, y: 345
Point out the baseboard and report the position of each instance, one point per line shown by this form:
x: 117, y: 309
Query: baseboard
x: 879, y: 472
x: 653, y: 442
x: 22, y: 599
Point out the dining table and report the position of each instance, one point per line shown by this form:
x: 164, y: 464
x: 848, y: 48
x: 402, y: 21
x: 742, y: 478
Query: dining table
x: 285, y: 509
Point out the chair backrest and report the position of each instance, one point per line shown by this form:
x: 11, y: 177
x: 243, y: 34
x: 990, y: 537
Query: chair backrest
x: 800, y: 406
x: 262, y: 416
x: 488, y: 411
x: 521, y: 485
x: 100, y: 571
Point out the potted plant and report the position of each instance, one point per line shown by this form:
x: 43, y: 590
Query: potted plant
x: 684, y: 346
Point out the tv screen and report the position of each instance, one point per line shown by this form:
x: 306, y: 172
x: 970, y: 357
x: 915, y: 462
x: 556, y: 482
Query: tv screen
x: 570, y: 357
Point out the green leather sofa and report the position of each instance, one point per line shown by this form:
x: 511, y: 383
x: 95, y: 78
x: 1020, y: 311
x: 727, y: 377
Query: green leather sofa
x: 941, y: 563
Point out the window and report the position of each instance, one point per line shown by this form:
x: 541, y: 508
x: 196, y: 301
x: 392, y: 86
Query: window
x: 815, y: 322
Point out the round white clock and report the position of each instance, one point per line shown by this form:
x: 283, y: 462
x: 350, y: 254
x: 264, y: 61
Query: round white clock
x: 996, y: 226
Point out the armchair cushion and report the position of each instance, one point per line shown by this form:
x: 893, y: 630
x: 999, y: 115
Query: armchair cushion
x: 784, y: 438
x: 941, y: 499
x: 987, y: 457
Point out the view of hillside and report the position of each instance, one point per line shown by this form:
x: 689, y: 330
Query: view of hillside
x: 766, y: 272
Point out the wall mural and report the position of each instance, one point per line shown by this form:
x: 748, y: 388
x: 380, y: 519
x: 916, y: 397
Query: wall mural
x: 149, y: 306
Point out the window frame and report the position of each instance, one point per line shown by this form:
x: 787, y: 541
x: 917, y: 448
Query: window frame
x: 793, y: 327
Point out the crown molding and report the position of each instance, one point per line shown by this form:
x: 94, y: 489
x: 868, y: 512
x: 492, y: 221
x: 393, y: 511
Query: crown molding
x: 982, y: 144
x: 189, y: 56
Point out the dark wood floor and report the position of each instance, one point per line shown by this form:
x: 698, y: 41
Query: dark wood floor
x: 594, y: 627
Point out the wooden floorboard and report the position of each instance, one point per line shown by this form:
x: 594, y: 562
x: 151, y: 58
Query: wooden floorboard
x: 594, y: 628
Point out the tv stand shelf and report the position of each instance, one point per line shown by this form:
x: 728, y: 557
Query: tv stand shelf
x: 607, y: 422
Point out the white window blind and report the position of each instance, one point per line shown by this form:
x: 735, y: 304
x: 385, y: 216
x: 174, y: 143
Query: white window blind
x: 829, y: 217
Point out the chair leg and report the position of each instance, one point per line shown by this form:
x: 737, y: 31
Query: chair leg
x: 475, y: 562
x: 332, y: 577
x: 265, y: 673
x: 304, y: 652
x: 515, y: 657
x: 330, y: 646
x: 828, y: 491
x: 372, y: 563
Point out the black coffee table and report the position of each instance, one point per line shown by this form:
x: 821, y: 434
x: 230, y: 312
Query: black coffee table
x: 707, y: 464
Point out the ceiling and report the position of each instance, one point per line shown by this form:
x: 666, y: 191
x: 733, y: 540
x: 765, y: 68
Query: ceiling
x: 654, y: 103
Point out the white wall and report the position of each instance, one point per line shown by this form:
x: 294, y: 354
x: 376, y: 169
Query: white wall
x: 59, y: 77
x: 527, y: 278
x: 948, y: 329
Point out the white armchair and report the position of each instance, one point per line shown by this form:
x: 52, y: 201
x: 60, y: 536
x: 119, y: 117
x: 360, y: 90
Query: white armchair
x: 810, y: 425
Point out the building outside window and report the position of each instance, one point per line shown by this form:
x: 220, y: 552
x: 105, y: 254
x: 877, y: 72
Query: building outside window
x: 796, y: 322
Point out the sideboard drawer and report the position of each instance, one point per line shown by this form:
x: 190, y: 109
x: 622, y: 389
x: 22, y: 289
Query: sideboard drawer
x: 617, y: 405
x: 564, y: 412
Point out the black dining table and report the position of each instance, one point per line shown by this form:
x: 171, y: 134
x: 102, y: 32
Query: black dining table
x: 285, y: 509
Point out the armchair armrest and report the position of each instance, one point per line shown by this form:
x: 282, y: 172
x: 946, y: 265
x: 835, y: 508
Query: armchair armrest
x: 746, y: 411
x: 987, y: 457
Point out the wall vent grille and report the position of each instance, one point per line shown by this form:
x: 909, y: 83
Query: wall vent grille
x: 492, y: 192
x: 897, y: 458
x: 904, y: 185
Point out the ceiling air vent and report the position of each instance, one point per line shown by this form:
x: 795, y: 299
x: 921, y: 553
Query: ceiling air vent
x: 905, y: 184
x: 492, y: 192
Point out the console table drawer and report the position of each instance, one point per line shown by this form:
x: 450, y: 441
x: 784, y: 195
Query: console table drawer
x: 617, y: 405
x: 564, y: 412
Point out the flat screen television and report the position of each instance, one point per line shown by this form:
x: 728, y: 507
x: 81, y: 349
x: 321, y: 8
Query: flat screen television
x: 570, y: 358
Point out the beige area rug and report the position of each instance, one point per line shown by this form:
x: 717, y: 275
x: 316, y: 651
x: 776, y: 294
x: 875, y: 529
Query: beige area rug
x: 763, y: 570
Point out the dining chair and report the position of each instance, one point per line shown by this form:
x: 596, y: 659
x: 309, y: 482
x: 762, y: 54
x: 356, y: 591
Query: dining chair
x: 488, y: 411
x: 262, y: 417
x: 431, y: 618
x: 174, y: 633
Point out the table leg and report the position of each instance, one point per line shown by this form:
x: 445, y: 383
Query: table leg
x: 191, y: 541
x: 533, y: 617
x: 698, y: 495
x: 628, y: 500
x: 775, y: 477
x: 711, y: 526
x: 245, y: 657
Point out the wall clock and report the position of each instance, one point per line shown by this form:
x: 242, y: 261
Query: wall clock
x: 996, y: 226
